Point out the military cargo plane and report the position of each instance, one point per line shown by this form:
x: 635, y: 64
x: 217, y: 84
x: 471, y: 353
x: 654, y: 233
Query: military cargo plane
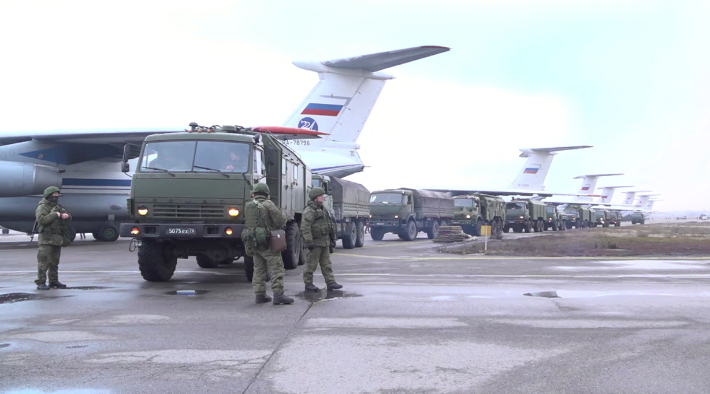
x: 86, y: 163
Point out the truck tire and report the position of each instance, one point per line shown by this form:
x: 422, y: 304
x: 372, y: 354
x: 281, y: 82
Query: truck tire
x: 304, y: 255
x: 433, y: 230
x: 107, y: 233
x: 617, y: 224
x: 477, y: 228
x: 249, y: 268
x: 360, y: 241
x: 410, y: 232
x: 528, y: 226
x: 377, y: 234
x: 206, y: 262
x: 294, y: 244
x: 155, y: 261
x: 536, y: 226
x: 554, y: 226
x: 349, y: 236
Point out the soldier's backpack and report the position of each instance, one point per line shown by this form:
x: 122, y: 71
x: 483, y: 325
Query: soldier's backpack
x: 256, y: 234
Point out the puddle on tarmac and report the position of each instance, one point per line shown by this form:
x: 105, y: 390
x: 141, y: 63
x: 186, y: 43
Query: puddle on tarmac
x: 187, y: 293
x: 77, y: 346
x: 4, y: 345
x: 544, y: 294
x: 17, y: 297
x: 88, y: 288
x: 324, y: 294
x: 642, y: 265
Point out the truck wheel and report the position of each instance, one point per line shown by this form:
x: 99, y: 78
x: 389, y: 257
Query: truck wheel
x: 528, y: 227
x: 477, y: 228
x: 294, y: 244
x: 377, y: 234
x: 617, y: 224
x: 360, y: 241
x: 155, y: 261
x: 410, y: 233
x: 304, y: 254
x: 542, y: 225
x: 349, y: 236
x: 554, y: 226
x: 249, y: 267
x: 206, y: 262
x: 433, y: 230
x: 107, y: 233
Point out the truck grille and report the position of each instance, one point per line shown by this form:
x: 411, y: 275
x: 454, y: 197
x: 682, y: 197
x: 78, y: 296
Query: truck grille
x: 176, y: 211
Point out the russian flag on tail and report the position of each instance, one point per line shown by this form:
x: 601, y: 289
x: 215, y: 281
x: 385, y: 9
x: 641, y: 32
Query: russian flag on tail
x: 322, y: 109
x: 530, y: 170
x: 585, y: 188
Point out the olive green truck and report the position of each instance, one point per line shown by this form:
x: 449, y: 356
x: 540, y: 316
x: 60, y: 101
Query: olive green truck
x: 406, y: 212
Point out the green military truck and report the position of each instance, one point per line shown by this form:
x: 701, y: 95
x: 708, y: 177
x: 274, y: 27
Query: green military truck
x: 406, y: 212
x: 349, y: 204
x: 553, y: 219
x: 615, y: 218
x: 524, y: 214
x: 638, y: 217
x: 602, y: 217
x: 189, y: 191
x: 577, y: 216
x: 475, y: 210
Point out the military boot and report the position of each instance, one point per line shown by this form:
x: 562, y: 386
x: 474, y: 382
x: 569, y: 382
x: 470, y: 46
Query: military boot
x: 42, y: 286
x: 280, y: 298
x: 262, y: 298
x: 311, y: 287
x: 58, y: 285
x: 334, y: 286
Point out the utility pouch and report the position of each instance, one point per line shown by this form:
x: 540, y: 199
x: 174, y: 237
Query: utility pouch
x: 249, y: 241
x: 278, y: 241
x: 261, y: 234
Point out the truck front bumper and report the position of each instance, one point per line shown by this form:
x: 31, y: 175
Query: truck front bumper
x: 462, y: 222
x: 191, y: 231
x: 391, y: 225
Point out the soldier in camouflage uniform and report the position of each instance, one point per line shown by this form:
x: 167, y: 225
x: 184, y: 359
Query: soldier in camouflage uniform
x: 317, y: 230
x: 50, y: 221
x: 261, y: 214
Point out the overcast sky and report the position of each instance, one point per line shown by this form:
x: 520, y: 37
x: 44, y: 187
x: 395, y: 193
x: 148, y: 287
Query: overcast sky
x: 629, y: 77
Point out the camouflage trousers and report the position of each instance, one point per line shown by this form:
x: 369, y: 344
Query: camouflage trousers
x: 48, y: 262
x: 319, y: 255
x: 267, y: 260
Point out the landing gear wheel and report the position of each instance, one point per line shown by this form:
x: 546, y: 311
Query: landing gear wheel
x: 294, y: 244
x: 411, y: 231
x: 5, y: 231
x: 107, y: 233
x: 155, y: 261
x: 206, y: 262
x: 433, y: 230
x: 249, y: 268
x: 377, y: 234
x: 350, y: 236
x: 360, y: 241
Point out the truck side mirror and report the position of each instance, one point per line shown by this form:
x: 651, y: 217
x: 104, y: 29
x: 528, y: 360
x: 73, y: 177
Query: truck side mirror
x: 125, y: 167
x: 409, y: 199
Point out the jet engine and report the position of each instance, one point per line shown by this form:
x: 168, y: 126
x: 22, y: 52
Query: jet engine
x: 26, y: 179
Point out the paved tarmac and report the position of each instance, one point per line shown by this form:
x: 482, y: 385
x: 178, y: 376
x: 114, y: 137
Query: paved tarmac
x: 408, y: 320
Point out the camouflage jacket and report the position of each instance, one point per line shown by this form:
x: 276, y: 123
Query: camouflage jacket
x: 273, y: 221
x: 49, y: 225
x: 317, y: 225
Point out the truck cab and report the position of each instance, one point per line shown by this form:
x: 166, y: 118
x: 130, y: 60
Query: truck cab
x: 406, y: 212
x: 638, y: 217
x: 475, y: 210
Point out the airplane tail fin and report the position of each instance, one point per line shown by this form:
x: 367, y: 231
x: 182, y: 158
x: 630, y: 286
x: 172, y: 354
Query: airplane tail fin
x: 343, y: 99
x: 537, y: 166
x: 608, y: 193
x: 589, y: 182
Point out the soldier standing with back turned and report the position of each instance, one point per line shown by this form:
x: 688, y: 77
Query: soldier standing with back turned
x: 50, y: 221
x: 261, y: 216
x: 317, y: 231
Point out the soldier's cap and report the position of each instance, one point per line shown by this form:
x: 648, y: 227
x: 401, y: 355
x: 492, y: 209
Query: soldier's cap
x: 315, y: 192
x: 52, y: 189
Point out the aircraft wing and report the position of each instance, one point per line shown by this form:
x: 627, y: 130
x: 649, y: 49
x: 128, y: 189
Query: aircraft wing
x: 95, y: 136
x: 511, y: 192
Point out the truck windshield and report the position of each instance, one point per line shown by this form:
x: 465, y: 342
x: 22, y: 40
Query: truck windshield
x: 519, y: 206
x: 550, y: 209
x: 463, y: 202
x: 197, y: 156
x: 571, y: 210
x: 386, y: 198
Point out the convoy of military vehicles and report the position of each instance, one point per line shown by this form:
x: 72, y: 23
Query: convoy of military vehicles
x: 189, y: 191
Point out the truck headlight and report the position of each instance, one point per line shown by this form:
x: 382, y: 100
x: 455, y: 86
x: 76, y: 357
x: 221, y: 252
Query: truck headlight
x: 522, y: 217
x: 468, y: 216
x: 396, y: 216
x: 142, y: 210
x: 233, y: 211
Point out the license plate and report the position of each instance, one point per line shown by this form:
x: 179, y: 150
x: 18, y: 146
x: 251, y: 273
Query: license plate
x: 379, y: 224
x: 181, y: 231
